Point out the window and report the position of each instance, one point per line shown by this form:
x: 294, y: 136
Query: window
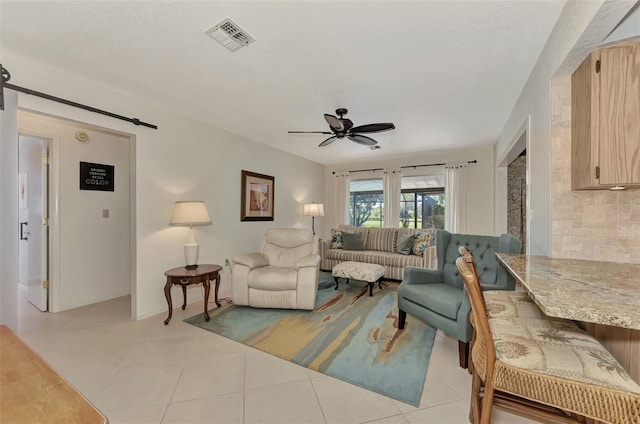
x: 366, y: 203
x: 422, y: 202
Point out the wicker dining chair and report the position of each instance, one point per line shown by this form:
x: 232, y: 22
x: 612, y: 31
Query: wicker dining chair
x: 503, y: 376
x: 504, y: 303
x: 466, y: 252
x: 500, y: 303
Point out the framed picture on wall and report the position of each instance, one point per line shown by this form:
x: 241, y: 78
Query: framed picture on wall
x: 96, y: 176
x: 257, y: 197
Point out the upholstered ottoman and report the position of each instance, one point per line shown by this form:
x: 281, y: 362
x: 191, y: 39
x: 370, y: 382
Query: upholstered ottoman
x: 370, y: 273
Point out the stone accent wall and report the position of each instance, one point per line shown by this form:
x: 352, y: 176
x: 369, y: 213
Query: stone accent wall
x: 516, y: 200
x: 598, y: 225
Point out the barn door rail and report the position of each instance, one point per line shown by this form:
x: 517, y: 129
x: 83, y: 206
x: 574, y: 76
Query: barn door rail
x: 6, y: 76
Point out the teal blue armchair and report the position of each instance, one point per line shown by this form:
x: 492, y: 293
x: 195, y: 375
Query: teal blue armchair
x: 438, y: 297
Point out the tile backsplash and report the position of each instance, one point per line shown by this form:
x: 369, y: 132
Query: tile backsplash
x: 598, y: 225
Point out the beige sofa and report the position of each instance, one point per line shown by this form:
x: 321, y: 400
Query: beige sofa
x: 379, y: 248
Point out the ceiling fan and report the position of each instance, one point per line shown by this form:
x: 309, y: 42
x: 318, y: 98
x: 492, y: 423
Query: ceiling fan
x: 343, y: 127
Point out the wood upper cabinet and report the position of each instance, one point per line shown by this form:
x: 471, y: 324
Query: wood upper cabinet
x: 605, y: 119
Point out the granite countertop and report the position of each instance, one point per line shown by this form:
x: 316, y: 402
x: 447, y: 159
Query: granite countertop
x: 599, y: 292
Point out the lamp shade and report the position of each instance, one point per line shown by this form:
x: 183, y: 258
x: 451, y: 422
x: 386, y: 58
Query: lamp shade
x: 189, y: 213
x: 313, y: 209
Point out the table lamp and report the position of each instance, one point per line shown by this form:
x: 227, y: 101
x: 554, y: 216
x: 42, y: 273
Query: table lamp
x: 313, y: 210
x: 190, y: 213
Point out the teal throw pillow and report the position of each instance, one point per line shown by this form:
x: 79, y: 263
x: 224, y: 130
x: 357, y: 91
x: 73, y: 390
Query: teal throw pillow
x: 405, y: 243
x: 352, y: 241
x: 336, y: 239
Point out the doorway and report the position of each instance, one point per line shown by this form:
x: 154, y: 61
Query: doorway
x: 517, y: 199
x: 33, y: 214
x: 89, y: 231
x: 513, y: 210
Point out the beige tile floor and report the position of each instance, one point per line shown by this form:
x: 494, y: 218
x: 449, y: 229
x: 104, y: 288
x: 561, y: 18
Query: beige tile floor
x: 146, y: 372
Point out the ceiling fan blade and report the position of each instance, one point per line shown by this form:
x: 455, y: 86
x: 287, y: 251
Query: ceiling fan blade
x: 370, y: 128
x: 334, y: 122
x: 328, y: 141
x: 309, y: 132
x: 362, y: 139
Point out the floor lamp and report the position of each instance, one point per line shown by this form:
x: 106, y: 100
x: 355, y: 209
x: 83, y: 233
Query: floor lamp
x: 188, y: 214
x: 313, y: 210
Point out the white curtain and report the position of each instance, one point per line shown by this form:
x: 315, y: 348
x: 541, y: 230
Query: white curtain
x: 391, y: 189
x: 456, y: 211
x: 341, y: 197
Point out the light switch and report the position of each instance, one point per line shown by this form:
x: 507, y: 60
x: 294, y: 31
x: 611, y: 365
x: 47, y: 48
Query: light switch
x: 105, y: 213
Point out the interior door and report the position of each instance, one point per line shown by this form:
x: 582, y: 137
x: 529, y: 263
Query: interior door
x: 34, y: 229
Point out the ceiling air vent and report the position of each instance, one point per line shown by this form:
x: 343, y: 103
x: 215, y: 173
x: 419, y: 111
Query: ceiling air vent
x: 230, y: 35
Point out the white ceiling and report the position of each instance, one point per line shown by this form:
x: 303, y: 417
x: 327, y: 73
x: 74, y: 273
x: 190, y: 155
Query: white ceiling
x: 446, y: 73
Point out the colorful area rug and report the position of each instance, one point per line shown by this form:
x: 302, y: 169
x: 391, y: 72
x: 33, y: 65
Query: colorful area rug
x: 350, y: 336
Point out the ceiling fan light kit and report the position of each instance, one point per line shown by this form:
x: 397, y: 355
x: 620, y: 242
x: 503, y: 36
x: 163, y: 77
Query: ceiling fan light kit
x: 342, y: 127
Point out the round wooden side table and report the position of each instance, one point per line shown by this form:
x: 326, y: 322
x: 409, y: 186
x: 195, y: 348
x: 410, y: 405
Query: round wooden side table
x: 184, y: 277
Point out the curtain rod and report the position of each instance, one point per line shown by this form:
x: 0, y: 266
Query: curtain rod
x: 6, y: 77
x: 404, y: 167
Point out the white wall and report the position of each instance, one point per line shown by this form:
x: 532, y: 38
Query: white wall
x: 628, y: 28
x: 9, y: 232
x: 581, y: 26
x: 184, y: 159
x: 481, y: 184
x: 94, y: 253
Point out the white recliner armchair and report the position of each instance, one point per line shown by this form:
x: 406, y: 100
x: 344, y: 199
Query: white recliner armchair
x: 284, y: 275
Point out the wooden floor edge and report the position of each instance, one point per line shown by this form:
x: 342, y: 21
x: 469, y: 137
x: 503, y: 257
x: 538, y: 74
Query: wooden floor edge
x: 31, y: 390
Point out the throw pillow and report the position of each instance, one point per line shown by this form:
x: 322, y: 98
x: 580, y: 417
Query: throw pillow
x: 336, y: 239
x: 405, y: 243
x: 352, y: 241
x: 420, y: 243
